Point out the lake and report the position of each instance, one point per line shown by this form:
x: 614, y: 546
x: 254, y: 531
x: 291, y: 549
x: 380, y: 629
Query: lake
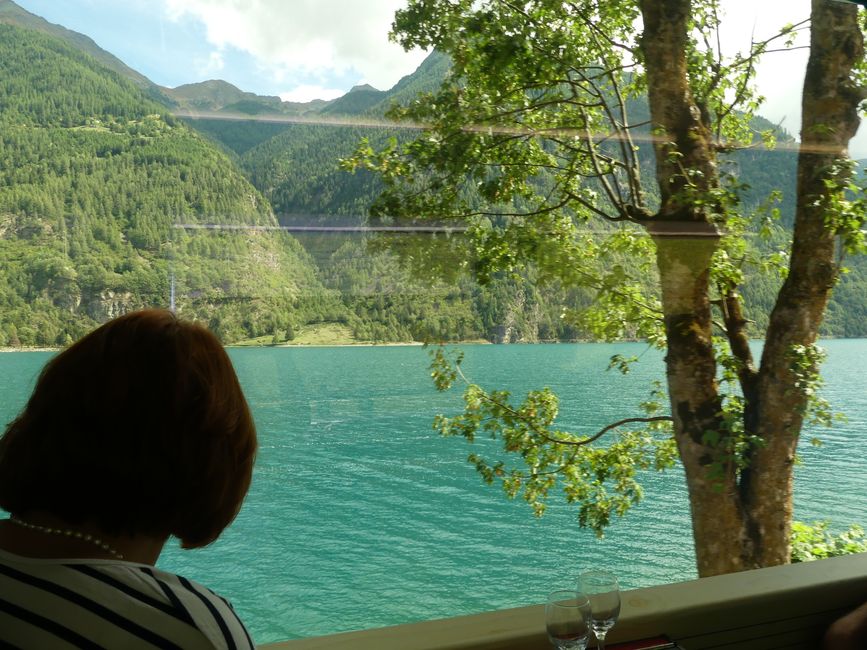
x: 360, y: 515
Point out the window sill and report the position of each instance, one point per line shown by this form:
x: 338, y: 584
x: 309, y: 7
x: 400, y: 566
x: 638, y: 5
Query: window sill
x: 788, y: 606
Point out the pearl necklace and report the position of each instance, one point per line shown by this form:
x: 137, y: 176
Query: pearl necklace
x: 65, y: 532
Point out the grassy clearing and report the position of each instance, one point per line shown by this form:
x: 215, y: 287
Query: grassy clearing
x: 323, y: 334
x: 327, y: 334
x: 316, y: 334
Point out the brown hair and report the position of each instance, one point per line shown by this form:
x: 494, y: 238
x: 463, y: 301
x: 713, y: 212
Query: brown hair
x: 140, y: 428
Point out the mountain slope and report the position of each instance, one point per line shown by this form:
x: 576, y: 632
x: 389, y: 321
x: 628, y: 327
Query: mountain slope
x: 218, y: 96
x: 106, y: 203
x: 95, y: 179
x: 12, y: 14
x: 359, y: 100
x: 297, y: 167
x: 425, y: 79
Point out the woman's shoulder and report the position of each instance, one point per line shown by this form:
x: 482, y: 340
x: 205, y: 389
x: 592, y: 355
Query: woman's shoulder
x: 211, y: 612
x: 137, y: 601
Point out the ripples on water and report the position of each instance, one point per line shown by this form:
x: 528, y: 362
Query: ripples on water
x: 361, y: 516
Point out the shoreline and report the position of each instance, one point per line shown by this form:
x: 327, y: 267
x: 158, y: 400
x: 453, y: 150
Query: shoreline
x: 390, y: 344
x: 29, y: 349
x: 366, y: 344
x: 362, y: 344
x: 4, y: 349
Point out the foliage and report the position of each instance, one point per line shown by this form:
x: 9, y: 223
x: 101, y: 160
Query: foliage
x: 530, y: 138
x: 534, y: 136
x: 815, y: 542
x: 121, y: 171
x: 93, y: 180
x: 93, y: 183
x: 603, y: 481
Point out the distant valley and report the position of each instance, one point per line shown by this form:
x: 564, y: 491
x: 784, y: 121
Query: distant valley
x: 106, y: 180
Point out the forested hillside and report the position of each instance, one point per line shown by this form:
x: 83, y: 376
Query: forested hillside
x: 94, y: 180
x: 103, y: 201
x: 104, y: 195
x: 295, y: 167
x: 12, y: 14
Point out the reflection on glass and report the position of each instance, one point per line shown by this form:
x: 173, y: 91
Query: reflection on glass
x: 604, y: 595
x: 567, y: 620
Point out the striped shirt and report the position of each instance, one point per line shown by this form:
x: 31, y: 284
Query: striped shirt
x: 48, y: 604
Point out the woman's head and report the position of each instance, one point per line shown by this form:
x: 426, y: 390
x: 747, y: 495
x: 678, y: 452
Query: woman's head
x: 140, y: 428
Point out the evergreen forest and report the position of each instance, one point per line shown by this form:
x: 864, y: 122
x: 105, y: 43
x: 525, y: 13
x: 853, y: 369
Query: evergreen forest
x: 116, y: 194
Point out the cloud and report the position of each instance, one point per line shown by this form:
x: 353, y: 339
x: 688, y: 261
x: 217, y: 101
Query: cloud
x: 306, y: 39
x: 316, y: 46
x: 780, y: 75
x: 306, y: 93
x: 210, y: 66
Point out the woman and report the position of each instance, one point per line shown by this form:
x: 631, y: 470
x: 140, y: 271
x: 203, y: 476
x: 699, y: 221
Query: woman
x: 848, y: 632
x: 137, y: 432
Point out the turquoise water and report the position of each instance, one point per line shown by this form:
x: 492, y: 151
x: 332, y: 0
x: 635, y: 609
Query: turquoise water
x: 361, y: 516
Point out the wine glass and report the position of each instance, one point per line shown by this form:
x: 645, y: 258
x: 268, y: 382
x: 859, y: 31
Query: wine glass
x: 567, y: 620
x: 604, y: 595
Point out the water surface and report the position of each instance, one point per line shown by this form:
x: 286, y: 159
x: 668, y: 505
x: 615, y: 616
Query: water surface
x: 360, y: 515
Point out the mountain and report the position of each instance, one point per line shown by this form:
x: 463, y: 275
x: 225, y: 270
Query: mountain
x: 357, y: 101
x: 425, y: 79
x: 217, y: 96
x: 295, y: 164
x: 12, y: 14
x: 108, y: 202
x: 104, y: 203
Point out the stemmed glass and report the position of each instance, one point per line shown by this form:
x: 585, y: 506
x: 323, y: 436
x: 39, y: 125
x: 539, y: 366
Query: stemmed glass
x: 567, y: 619
x: 604, y: 595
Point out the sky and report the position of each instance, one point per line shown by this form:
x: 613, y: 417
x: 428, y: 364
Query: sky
x: 319, y: 49
x: 296, y: 49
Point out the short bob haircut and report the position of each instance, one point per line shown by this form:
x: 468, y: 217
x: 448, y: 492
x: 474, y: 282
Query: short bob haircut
x: 139, y: 428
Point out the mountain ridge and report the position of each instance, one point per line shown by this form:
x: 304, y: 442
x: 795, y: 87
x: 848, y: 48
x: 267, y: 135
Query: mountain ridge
x: 218, y: 95
x: 195, y: 96
x: 13, y: 14
x: 108, y: 195
x: 107, y: 172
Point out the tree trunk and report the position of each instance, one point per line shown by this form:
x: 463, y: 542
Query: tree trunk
x: 717, y: 519
x: 830, y: 119
x: 686, y: 241
x: 741, y: 519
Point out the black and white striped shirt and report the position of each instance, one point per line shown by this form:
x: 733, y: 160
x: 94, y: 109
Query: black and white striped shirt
x: 48, y: 604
